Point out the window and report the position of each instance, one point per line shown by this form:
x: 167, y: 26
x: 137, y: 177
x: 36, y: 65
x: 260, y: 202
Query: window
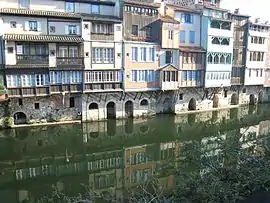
x: 135, y: 30
x: 181, y: 96
x: 12, y: 81
x: 52, y: 29
x: 182, y: 36
x: 36, y: 105
x: 71, y: 102
x: 151, y: 54
x: 134, y: 54
x: 72, y: 29
x: 187, y: 18
x: 103, y: 76
x: 85, y: 26
x: 191, y: 37
x: 40, y: 80
x: 213, y: 2
x: 20, y: 102
x: 143, y: 54
x: 70, y: 7
x: 10, y: 50
x: 102, y: 28
x: 95, y: 8
x: 219, y: 58
x: 102, y: 55
x: 13, y: 24
x: 75, y: 77
x: 170, y: 34
x: 24, y: 3
x: 143, y: 76
x: 148, y: 32
x: 55, y: 77
x: 33, y: 26
x: 26, y: 80
x: 168, y: 57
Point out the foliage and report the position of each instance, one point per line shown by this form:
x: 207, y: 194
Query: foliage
x: 8, y: 122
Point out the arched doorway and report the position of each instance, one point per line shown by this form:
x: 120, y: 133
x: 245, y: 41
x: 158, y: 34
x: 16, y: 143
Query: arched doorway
x: 192, y: 105
x: 93, y: 112
x: 129, y: 109
x: 215, y: 101
x: 252, y: 99
x: 167, y: 106
x: 260, y: 97
x: 19, y: 118
x: 111, y: 110
x: 234, y: 99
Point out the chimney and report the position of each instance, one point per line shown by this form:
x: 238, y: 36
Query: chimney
x: 236, y: 11
x: 257, y: 20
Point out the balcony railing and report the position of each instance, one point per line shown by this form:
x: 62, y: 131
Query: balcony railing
x: 32, y: 59
x: 70, y: 61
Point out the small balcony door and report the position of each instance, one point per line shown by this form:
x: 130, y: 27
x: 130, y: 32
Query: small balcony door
x: 62, y: 52
x: 73, y: 51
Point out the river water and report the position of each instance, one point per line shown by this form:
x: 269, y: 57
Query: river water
x: 109, y: 158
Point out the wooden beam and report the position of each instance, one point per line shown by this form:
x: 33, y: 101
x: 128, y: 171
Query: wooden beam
x: 151, y: 94
x: 136, y: 96
x: 141, y: 96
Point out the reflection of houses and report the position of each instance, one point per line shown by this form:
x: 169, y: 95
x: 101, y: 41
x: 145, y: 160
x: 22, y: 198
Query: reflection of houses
x: 139, y: 164
x: 249, y: 137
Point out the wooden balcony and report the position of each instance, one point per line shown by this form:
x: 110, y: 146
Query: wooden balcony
x: 169, y: 85
x: 117, y: 86
x: 30, y: 61
x: 28, y: 92
x: 70, y: 63
x: 66, y: 88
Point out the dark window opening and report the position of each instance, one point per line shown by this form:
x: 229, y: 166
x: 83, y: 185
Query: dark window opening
x: 168, y: 57
x: 36, y: 105
x: 20, y: 102
x: 135, y: 30
x: 10, y: 50
x: 71, y: 102
x: 181, y: 96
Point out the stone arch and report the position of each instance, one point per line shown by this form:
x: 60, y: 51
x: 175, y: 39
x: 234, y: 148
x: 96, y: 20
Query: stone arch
x: 20, y: 118
x: 93, y: 111
x: 144, y: 102
x: 192, y: 104
x: 129, y: 109
x: 260, y: 97
x: 111, y: 110
x: 215, y: 101
x: 93, y: 106
x: 167, y: 105
x: 234, y: 99
x: 252, y: 99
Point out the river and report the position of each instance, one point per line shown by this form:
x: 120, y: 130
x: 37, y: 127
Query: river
x: 108, y: 158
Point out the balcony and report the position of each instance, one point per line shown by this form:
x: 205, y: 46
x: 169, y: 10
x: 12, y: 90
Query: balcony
x: 37, y: 60
x: 70, y: 63
x: 28, y: 92
x: 169, y: 80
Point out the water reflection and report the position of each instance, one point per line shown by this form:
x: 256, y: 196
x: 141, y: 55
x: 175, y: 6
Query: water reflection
x: 115, y: 156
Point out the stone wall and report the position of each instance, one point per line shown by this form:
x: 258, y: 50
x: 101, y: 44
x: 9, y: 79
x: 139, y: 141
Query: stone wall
x: 43, y: 109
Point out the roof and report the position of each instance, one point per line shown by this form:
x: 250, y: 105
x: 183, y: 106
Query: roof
x: 221, y: 19
x: 178, y: 8
x: 168, y: 19
x: 166, y: 66
x: 100, y: 18
x: 239, y: 14
x: 215, y: 8
x: 143, y: 3
x: 42, y: 38
x: 14, y: 11
x: 191, y: 49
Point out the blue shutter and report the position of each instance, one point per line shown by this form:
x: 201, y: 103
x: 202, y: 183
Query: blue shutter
x: 194, y: 75
x: 191, y: 37
x: 189, y: 75
x: 66, y: 30
x: 153, y: 54
x: 183, y: 18
x: 191, y: 19
x: 133, y: 76
x: 26, y: 25
x: 185, y: 75
x: 120, y: 76
x: 38, y: 26
x: 78, y: 31
x: 182, y: 36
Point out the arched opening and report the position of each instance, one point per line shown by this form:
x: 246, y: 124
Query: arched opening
x: 252, y: 99
x: 226, y: 26
x: 93, y: 106
x: 228, y: 59
x: 234, y: 99
x: 210, y: 59
x: 260, y: 97
x: 19, y: 118
x: 144, y: 102
x: 129, y: 109
x: 215, y: 41
x: 222, y: 59
x: 216, y: 59
x: 129, y: 125
x: 111, y: 127
x: 215, y: 101
x: 167, y: 106
x: 215, y: 24
x: 192, y: 105
x: 111, y: 110
x: 225, y: 41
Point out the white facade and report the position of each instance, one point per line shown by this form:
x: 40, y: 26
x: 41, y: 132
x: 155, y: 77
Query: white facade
x: 256, y: 56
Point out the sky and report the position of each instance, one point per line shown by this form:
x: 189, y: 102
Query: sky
x: 255, y: 9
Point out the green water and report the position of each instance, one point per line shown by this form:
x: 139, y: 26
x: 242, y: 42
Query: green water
x: 113, y: 156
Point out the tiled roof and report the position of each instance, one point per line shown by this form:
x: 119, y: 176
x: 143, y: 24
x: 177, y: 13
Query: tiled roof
x: 143, y: 3
x: 168, y: 19
x: 178, y: 8
x: 42, y: 38
x: 15, y: 11
x: 191, y: 49
x: 100, y: 18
